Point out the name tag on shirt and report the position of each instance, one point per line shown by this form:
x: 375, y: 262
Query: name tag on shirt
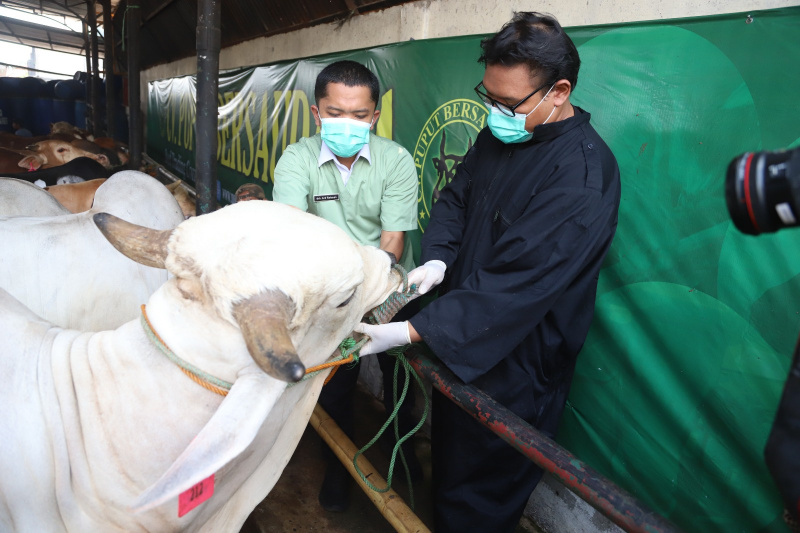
x: 325, y: 197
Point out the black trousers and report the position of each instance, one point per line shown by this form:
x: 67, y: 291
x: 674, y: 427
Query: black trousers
x: 783, y: 443
x: 480, y: 483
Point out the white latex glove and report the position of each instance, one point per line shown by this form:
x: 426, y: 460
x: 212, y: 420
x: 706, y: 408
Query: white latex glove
x: 427, y: 276
x: 383, y: 336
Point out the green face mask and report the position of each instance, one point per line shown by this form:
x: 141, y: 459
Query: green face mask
x: 512, y: 129
x: 344, y: 136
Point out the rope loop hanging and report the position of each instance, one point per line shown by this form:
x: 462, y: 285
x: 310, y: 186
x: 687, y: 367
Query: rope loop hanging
x: 124, y: 19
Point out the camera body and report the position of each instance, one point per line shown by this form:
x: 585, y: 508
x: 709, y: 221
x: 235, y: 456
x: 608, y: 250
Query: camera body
x: 762, y: 190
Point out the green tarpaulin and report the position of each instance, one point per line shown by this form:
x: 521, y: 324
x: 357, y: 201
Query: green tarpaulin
x: 679, y: 380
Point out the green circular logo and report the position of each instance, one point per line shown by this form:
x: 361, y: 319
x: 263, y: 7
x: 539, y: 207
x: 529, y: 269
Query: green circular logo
x: 450, y: 130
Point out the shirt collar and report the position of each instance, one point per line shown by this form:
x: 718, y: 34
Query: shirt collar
x: 545, y: 132
x: 326, y: 155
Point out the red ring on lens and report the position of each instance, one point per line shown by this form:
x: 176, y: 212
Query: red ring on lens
x: 747, y: 200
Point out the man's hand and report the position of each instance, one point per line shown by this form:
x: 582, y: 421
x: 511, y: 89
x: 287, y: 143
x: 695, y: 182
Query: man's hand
x: 383, y: 336
x: 427, y: 276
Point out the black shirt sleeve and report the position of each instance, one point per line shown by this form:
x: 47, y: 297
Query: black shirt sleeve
x: 477, y: 324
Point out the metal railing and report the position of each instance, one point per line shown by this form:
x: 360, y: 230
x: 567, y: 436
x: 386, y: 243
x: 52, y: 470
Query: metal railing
x: 602, y: 494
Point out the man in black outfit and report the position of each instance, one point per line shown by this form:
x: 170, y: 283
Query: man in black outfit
x: 517, y: 241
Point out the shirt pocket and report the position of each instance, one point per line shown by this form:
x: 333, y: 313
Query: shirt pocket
x: 504, y: 216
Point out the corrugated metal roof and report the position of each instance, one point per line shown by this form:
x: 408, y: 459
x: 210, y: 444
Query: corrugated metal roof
x: 168, y: 30
x: 169, y: 26
x: 68, y: 8
x: 60, y: 39
x: 38, y: 36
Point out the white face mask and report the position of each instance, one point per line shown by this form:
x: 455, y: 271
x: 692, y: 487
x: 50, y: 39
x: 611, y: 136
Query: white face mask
x: 512, y: 129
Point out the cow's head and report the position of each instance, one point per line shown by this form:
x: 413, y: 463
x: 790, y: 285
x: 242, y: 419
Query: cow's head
x: 52, y: 153
x: 118, y: 149
x: 293, y: 283
x: 62, y: 127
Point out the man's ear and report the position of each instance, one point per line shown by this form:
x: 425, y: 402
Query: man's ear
x: 375, y: 116
x: 561, y: 91
x: 315, y: 114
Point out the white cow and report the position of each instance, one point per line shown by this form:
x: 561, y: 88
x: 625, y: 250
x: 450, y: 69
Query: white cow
x: 23, y: 198
x: 62, y: 267
x: 97, y: 425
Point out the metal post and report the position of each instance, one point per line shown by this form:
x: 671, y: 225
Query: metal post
x: 88, y: 89
x: 208, y: 45
x: 602, y: 494
x: 133, y: 19
x: 91, y: 14
x: 108, y: 63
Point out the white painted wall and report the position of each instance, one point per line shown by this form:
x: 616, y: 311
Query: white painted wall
x: 428, y: 19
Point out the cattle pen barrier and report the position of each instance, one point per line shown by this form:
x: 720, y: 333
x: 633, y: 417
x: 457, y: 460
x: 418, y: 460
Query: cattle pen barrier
x: 388, y: 503
x: 601, y: 493
x: 165, y: 176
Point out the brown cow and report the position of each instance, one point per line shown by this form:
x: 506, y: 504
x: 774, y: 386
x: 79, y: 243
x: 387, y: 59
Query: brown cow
x: 51, y: 153
x: 84, y: 168
x: 109, y: 158
x: 188, y: 205
x: 15, y: 142
x: 69, y: 129
x: 9, y: 160
x: 77, y: 197
x: 115, y: 146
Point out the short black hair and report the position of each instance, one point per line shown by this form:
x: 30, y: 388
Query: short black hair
x: 351, y: 74
x: 535, y: 40
x: 250, y: 191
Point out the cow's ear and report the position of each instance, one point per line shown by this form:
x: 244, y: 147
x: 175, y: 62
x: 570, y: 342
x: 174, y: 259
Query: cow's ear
x: 191, y: 289
x: 103, y: 160
x: 31, y: 162
x: 232, y: 428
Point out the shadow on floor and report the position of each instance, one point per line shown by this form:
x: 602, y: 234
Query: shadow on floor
x: 292, y: 505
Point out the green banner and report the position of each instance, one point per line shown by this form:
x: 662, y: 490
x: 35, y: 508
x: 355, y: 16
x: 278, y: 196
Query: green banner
x: 679, y: 380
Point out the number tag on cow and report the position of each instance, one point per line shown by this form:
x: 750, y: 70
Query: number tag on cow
x: 196, y: 495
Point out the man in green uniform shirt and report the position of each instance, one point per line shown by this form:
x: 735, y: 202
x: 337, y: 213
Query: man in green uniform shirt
x: 366, y: 185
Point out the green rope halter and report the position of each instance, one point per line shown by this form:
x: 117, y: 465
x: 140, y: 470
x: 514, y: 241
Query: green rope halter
x: 381, y: 315
x: 172, y: 356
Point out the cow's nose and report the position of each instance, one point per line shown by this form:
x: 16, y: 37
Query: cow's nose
x: 392, y: 257
x: 294, y: 372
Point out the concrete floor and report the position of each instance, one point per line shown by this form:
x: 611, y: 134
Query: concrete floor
x: 292, y: 505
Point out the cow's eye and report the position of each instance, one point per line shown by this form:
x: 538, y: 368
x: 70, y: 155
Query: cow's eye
x: 346, y: 301
x: 62, y: 149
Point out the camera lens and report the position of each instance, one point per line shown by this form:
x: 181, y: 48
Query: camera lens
x: 762, y: 190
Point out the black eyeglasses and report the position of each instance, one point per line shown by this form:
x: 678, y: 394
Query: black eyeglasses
x: 504, y: 109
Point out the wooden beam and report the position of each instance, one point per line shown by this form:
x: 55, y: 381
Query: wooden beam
x: 161, y: 7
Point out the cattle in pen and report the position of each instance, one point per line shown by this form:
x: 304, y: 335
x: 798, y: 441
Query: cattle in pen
x: 105, y: 432
x: 63, y: 268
